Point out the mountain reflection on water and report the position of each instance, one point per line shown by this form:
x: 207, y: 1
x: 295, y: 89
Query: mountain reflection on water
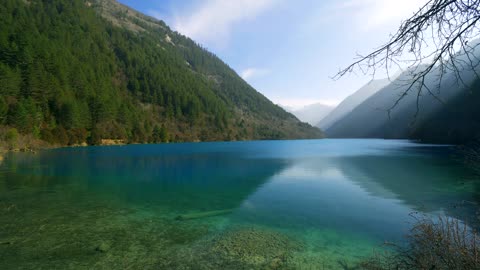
x: 338, y: 198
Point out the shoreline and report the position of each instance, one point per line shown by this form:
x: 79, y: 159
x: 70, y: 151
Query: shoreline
x: 117, y: 142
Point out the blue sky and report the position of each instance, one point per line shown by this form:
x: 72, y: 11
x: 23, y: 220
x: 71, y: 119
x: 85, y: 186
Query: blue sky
x: 288, y: 50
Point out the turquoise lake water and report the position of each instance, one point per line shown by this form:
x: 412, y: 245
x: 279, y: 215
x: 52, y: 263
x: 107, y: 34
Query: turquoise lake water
x: 312, y: 204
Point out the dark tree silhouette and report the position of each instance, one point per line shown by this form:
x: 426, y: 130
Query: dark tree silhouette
x: 432, y: 38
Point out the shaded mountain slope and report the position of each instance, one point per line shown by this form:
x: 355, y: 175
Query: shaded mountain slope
x: 371, y: 119
x: 351, y: 102
x: 457, y: 122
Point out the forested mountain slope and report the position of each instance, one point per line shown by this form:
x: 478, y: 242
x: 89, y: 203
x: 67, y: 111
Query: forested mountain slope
x: 74, y: 71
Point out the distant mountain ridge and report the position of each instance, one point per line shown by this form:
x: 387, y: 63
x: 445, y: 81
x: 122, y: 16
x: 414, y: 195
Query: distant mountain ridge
x: 312, y: 113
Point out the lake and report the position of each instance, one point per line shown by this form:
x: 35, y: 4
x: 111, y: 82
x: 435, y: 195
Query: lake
x: 309, y: 204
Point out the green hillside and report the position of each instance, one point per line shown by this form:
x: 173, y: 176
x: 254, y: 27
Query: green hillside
x: 73, y: 71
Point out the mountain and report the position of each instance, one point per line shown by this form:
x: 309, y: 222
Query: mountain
x: 74, y: 70
x: 347, y: 105
x: 422, y: 115
x: 311, y: 114
x: 456, y: 122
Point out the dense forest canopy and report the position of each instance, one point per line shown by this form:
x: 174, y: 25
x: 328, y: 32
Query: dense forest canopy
x: 75, y: 71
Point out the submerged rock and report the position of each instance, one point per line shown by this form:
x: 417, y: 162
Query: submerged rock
x: 246, y: 248
x: 103, y: 247
x: 200, y: 215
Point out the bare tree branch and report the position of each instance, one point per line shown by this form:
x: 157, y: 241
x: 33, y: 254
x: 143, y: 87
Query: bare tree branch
x: 436, y: 35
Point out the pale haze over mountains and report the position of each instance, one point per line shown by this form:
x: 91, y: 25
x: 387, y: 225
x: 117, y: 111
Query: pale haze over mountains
x: 311, y: 114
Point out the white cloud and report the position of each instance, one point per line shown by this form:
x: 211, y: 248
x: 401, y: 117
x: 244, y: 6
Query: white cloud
x: 212, y: 22
x: 371, y: 14
x: 250, y: 73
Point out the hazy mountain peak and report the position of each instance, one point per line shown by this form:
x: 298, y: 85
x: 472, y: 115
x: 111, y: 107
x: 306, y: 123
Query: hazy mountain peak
x: 312, y: 113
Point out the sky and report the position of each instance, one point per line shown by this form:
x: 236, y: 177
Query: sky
x: 287, y: 50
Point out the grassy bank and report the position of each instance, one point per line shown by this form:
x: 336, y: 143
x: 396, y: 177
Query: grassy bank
x: 12, y: 140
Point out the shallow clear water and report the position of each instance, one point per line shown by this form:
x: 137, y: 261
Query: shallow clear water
x: 243, y: 205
